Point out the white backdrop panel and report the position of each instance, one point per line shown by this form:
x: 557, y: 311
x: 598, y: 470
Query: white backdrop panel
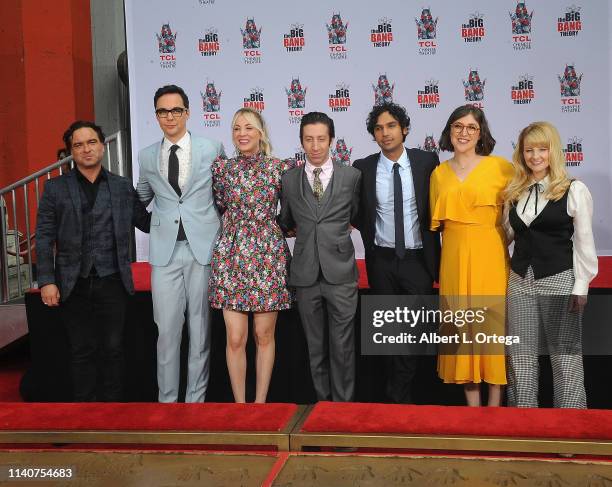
x: 501, y: 58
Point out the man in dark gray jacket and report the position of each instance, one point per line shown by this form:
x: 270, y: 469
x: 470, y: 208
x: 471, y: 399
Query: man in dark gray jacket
x: 83, y: 234
x: 319, y: 200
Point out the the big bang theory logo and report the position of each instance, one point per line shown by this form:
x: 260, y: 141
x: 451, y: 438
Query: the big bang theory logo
x: 299, y: 156
x: 294, y: 41
x: 382, y: 34
x: 522, y: 93
x: 255, y: 100
x: 570, y: 23
x: 340, y: 100
x: 474, y: 29
x: 208, y: 44
x: 166, y: 43
x: 429, y: 96
x: 573, y: 152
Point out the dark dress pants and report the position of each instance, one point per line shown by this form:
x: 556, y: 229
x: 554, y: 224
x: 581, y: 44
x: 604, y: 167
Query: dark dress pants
x: 94, y: 316
x: 389, y: 275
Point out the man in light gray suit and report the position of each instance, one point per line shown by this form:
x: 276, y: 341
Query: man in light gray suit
x: 175, y: 173
x: 319, y: 200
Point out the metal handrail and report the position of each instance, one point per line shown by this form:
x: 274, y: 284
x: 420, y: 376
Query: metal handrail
x: 116, y: 165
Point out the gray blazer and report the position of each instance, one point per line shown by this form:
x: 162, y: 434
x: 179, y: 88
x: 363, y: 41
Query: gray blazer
x: 323, y: 233
x: 194, y: 207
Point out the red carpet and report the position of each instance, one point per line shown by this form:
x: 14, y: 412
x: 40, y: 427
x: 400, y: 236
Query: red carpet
x: 145, y: 417
x: 9, y: 383
x: 361, y: 418
x: 142, y: 274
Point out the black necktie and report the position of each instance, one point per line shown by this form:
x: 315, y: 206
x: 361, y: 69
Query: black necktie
x: 173, y: 169
x: 534, y: 188
x: 173, y: 176
x: 398, y: 211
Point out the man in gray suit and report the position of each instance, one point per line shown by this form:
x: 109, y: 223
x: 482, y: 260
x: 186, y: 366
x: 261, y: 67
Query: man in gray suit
x: 175, y: 173
x: 319, y: 200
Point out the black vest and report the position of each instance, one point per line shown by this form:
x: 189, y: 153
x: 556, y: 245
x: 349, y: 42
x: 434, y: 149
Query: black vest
x: 98, y: 244
x: 545, y: 245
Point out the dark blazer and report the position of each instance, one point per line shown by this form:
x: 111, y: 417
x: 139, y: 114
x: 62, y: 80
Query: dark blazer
x: 59, y: 226
x: 422, y: 164
x: 323, y: 235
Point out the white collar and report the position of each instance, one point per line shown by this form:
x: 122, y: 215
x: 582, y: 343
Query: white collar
x: 184, y: 142
x: 403, y: 161
x: 326, y: 167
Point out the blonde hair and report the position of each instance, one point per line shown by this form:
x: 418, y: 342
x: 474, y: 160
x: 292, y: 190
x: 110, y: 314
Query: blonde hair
x: 539, y: 134
x: 255, y: 119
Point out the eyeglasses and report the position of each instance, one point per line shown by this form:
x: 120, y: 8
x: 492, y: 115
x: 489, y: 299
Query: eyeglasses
x: 177, y: 112
x: 458, y: 128
x: 79, y: 146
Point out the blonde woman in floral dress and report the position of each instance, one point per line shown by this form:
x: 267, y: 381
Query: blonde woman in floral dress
x: 250, y: 259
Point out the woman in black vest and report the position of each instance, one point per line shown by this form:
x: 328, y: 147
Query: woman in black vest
x: 549, y: 217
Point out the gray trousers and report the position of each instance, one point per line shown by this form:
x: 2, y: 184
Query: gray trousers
x: 180, y: 288
x: 331, y: 349
x: 538, y: 314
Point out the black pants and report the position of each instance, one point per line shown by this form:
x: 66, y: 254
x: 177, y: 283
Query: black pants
x: 387, y: 274
x: 94, y: 316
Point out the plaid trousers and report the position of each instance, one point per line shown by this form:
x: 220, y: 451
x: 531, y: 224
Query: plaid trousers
x: 538, y: 312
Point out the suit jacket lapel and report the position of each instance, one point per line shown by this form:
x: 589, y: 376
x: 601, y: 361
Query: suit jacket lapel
x: 418, y: 182
x: 196, y: 151
x: 73, y: 188
x: 370, y: 184
x: 115, y: 198
x: 157, y: 162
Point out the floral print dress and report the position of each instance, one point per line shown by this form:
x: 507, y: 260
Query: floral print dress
x: 251, y: 258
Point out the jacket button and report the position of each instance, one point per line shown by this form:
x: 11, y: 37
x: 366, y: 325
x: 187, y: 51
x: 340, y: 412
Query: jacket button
x: 175, y: 221
x: 180, y: 202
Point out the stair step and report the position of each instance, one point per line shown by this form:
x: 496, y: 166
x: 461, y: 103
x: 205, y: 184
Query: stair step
x: 13, y: 322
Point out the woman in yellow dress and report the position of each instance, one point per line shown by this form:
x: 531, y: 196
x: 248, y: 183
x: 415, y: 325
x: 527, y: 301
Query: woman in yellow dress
x: 466, y: 206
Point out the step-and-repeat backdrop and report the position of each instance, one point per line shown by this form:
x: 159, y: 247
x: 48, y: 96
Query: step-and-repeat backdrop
x: 519, y: 61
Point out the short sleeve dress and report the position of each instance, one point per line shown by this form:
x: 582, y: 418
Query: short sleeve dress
x: 474, y: 263
x: 250, y: 261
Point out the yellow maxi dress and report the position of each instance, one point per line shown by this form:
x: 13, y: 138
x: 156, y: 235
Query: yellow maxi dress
x: 474, y: 262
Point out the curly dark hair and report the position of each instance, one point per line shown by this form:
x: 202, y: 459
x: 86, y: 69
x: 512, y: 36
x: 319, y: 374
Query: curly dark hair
x: 396, y: 111
x: 81, y: 124
x: 486, y: 142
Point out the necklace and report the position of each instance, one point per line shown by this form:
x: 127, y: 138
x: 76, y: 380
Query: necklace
x: 465, y: 166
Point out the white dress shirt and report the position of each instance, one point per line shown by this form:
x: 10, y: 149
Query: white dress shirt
x: 385, y: 208
x: 184, y: 157
x: 327, y: 169
x: 580, y: 208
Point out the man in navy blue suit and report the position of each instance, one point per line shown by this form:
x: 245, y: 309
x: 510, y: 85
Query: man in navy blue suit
x: 83, y: 233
